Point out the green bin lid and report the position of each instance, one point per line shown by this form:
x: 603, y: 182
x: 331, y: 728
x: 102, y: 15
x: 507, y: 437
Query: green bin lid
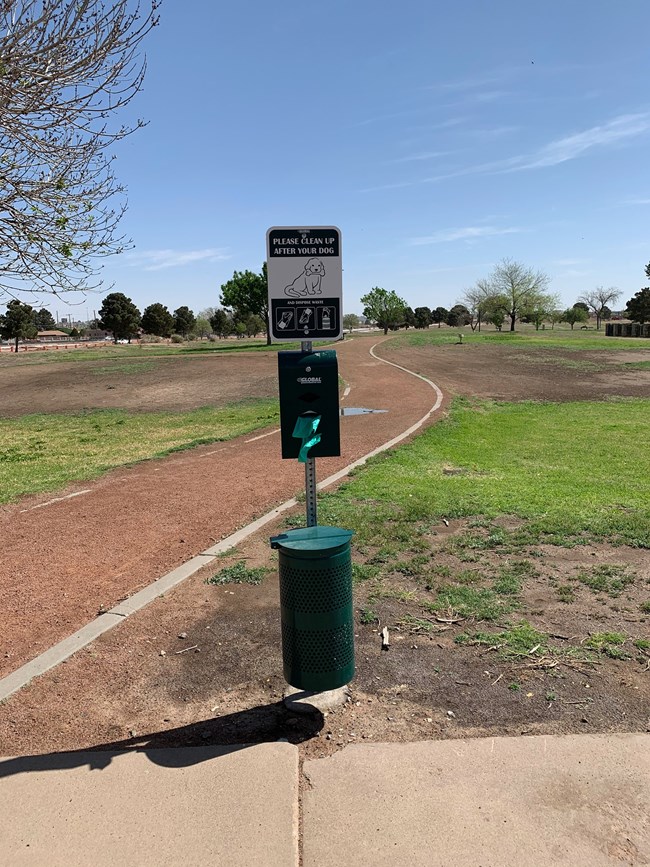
x: 312, y: 541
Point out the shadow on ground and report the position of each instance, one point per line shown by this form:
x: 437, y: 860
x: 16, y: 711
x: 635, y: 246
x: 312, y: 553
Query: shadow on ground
x: 219, y: 736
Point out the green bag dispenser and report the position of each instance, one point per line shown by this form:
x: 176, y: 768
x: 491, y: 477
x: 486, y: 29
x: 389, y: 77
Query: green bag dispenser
x: 309, y: 387
x: 316, y: 605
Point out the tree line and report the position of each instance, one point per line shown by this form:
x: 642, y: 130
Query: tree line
x: 511, y: 293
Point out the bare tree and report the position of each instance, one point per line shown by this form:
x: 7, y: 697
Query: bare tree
x: 66, y: 67
x: 477, y: 299
x: 518, y: 285
x: 598, y: 299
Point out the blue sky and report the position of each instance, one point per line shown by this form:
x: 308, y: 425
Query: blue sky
x: 440, y: 138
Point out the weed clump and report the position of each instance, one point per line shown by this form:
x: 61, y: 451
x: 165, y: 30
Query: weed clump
x: 608, y: 643
x: 238, y: 573
x: 470, y: 602
x: 517, y: 641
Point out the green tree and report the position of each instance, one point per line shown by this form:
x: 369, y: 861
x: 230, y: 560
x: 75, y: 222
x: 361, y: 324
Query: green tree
x: 18, y: 322
x: 184, y: 321
x: 440, y: 315
x: 638, y: 307
x: 423, y: 317
x: 495, y: 311
x: 384, y: 308
x: 246, y: 293
x: 458, y: 316
x: 119, y: 315
x: 496, y: 316
x: 582, y: 306
x: 518, y: 284
x: 202, y: 327
x: 350, y: 321
x: 221, y: 323
x: 44, y: 320
x: 240, y: 329
x: 156, y: 319
x: 647, y: 271
x: 67, y: 68
x: 409, y: 318
x: 598, y: 299
x: 575, y: 314
x: 254, y: 325
x: 539, y: 309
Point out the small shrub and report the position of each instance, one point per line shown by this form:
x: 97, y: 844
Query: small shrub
x: 176, y: 338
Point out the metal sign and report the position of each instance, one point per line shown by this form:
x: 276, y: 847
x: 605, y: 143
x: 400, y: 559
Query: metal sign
x: 305, y: 283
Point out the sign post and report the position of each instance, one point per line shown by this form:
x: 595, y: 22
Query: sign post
x: 305, y: 283
x: 305, y: 280
x: 314, y: 563
x: 311, y: 504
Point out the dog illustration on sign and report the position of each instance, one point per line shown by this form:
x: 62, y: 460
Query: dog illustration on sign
x: 307, y: 282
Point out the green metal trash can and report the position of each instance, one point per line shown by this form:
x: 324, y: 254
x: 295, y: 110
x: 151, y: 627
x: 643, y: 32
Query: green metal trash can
x: 316, y: 603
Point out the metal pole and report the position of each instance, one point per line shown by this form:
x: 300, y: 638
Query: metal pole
x: 310, y: 471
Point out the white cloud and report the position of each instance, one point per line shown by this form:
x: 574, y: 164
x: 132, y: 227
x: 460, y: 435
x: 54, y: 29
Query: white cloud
x: 156, y: 260
x: 568, y: 148
x: 494, y: 132
x: 468, y: 233
x: 618, y: 130
x: 636, y: 201
x: 426, y: 155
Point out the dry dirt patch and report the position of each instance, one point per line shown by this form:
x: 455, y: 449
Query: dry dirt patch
x: 173, y: 383
x: 510, y: 373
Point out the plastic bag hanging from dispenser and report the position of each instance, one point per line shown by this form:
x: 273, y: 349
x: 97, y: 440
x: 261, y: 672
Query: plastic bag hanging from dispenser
x: 305, y: 430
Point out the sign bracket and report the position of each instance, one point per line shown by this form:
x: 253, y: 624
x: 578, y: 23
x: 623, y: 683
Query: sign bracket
x: 310, y: 471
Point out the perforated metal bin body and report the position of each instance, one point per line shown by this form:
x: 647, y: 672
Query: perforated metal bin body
x: 315, y: 569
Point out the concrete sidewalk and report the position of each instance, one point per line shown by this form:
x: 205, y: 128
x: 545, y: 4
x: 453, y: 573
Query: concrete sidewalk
x: 147, y: 808
x: 493, y: 802
x: 576, y: 800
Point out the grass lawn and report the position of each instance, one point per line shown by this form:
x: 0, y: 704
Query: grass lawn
x: 570, y: 471
x: 555, y: 339
x: 45, y: 452
x: 530, y: 493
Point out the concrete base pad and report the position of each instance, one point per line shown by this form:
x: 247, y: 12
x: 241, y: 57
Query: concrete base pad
x: 193, y: 806
x: 576, y: 801
x: 300, y: 701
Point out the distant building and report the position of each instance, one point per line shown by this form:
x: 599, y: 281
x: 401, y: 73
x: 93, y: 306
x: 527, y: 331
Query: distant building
x: 97, y: 334
x: 52, y: 336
